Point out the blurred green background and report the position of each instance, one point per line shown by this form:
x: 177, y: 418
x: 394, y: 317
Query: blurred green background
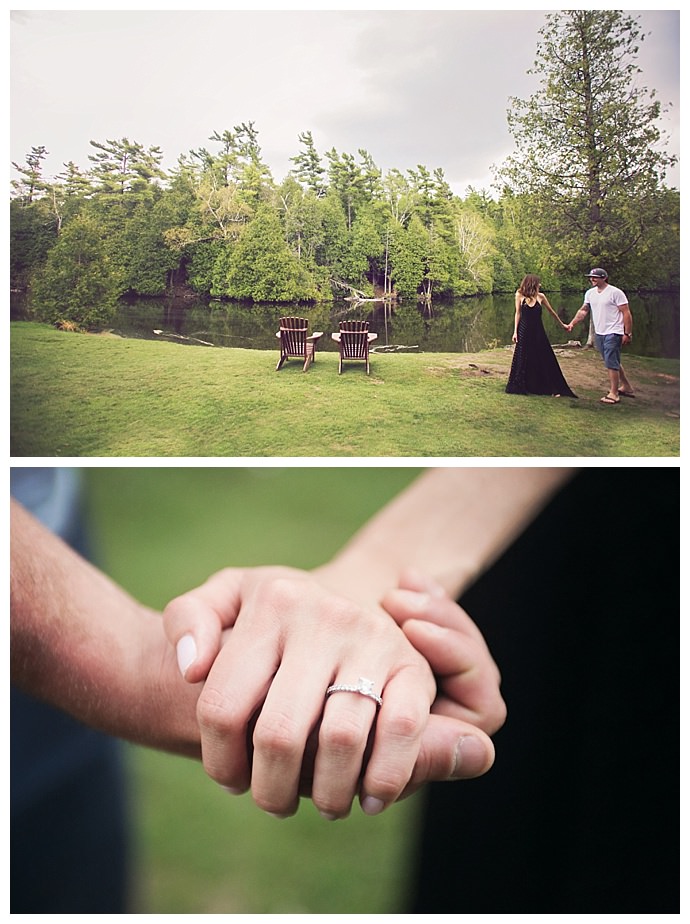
x: 160, y: 531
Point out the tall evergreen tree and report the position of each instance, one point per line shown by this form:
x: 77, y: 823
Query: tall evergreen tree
x: 77, y: 283
x: 125, y: 166
x: 308, y: 168
x: 260, y: 266
x: 31, y: 180
x: 589, y: 148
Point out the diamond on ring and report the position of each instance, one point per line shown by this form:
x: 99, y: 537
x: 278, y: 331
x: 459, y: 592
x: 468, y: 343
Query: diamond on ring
x: 364, y: 686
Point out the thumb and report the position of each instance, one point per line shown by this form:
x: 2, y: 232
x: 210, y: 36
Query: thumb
x: 450, y: 750
x: 194, y: 622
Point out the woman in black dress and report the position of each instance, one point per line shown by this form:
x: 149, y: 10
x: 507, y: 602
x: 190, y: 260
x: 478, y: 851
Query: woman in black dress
x: 535, y: 369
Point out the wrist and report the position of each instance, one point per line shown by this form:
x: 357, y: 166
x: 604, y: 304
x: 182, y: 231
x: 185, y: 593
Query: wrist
x: 159, y: 705
x: 353, y: 580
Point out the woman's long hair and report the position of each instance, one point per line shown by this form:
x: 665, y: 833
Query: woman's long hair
x: 529, y: 287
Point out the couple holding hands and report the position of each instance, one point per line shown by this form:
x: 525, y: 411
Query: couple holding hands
x: 360, y: 679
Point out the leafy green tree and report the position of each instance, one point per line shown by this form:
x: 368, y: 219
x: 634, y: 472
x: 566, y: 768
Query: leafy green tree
x: 238, y: 164
x: 37, y: 212
x: 124, y: 166
x: 352, y: 181
x: 473, y: 239
x: 31, y: 179
x: 432, y: 194
x: 407, y: 251
x: 400, y: 196
x: 32, y: 234
x: 75, y: 184
x: 308, y: 169
x: 200, y: 261
x: 334, y: 252
x: 589, y: 151
x: 149, y: 263
x: 260, y: 266
x: 76, y: 284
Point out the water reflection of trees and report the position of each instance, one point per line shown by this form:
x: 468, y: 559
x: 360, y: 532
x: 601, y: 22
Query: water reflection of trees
x: 459, y: 325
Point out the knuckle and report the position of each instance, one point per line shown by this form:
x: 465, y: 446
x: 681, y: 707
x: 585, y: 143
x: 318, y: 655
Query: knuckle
x: 216, y: 712
x: 403, y: 726
x: 388, y: 781
x: 277, y: 737
x: 280, y: 592
x: 496, y: 717
x: 345, y: 735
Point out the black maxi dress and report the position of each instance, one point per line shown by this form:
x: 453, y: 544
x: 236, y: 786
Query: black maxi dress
x: 535, y: 369
x: 580, y: 813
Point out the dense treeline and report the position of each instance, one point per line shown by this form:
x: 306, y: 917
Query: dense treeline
x: 220, y: 225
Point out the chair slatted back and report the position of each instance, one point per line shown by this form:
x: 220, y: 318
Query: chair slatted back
x: 293, y: 336
x: 354, y: 339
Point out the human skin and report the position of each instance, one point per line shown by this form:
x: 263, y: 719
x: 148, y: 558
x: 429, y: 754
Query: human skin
x: 543, y: 300
x: 617, y: 377
x: 329, y: 626
x: 82, y: 644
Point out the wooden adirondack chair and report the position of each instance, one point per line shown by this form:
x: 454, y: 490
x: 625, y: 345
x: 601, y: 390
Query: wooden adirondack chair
x: 295, y: 343
x: 353, y: 339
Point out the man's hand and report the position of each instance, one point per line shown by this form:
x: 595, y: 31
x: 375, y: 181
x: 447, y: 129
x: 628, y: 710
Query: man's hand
x: 269, y: 641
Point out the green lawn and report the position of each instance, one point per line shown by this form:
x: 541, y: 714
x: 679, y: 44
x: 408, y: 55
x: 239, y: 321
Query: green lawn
x: 160, y: 531
x: 76, y: 395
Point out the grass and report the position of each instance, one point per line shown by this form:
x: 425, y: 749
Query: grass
x: 75, y: 395
x: 162, y: 530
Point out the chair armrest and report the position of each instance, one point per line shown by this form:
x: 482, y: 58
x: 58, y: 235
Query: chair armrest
x: 315, y: 336
x: 372, y: 336
x: 335, y: 337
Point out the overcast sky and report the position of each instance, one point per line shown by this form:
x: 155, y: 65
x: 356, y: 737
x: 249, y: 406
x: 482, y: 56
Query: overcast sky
x: 410, y: 87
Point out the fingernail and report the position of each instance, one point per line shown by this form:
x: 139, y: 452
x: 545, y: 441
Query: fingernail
x: 372, y: 806
x: 186, y: 653
x: 328, y: 816
x: 233, y: 791
x: 470, y: 757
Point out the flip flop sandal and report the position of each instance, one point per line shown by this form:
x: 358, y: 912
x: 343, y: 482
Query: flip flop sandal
x: 607, y: 400
x: 625, y: 394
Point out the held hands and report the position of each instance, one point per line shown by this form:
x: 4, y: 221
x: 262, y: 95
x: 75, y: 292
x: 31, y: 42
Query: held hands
x: 268, y: 642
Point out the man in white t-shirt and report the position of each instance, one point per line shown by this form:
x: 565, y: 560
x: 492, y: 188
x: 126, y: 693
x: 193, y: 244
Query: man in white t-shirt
x: 612, y: 321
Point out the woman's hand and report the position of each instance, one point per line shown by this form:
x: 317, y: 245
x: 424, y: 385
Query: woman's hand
x: 291, y: 639
x: 451, y: 747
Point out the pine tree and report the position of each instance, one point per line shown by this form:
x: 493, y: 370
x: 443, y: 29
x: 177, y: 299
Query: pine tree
x: 589, y: 149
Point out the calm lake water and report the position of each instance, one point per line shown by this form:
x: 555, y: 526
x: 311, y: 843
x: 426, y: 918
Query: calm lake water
x: 457, y: 326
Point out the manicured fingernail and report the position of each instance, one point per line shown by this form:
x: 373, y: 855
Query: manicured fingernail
x: 470, y: 757
x: 186, y: 653
x: 328, y: 816
x: 372, y: 806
